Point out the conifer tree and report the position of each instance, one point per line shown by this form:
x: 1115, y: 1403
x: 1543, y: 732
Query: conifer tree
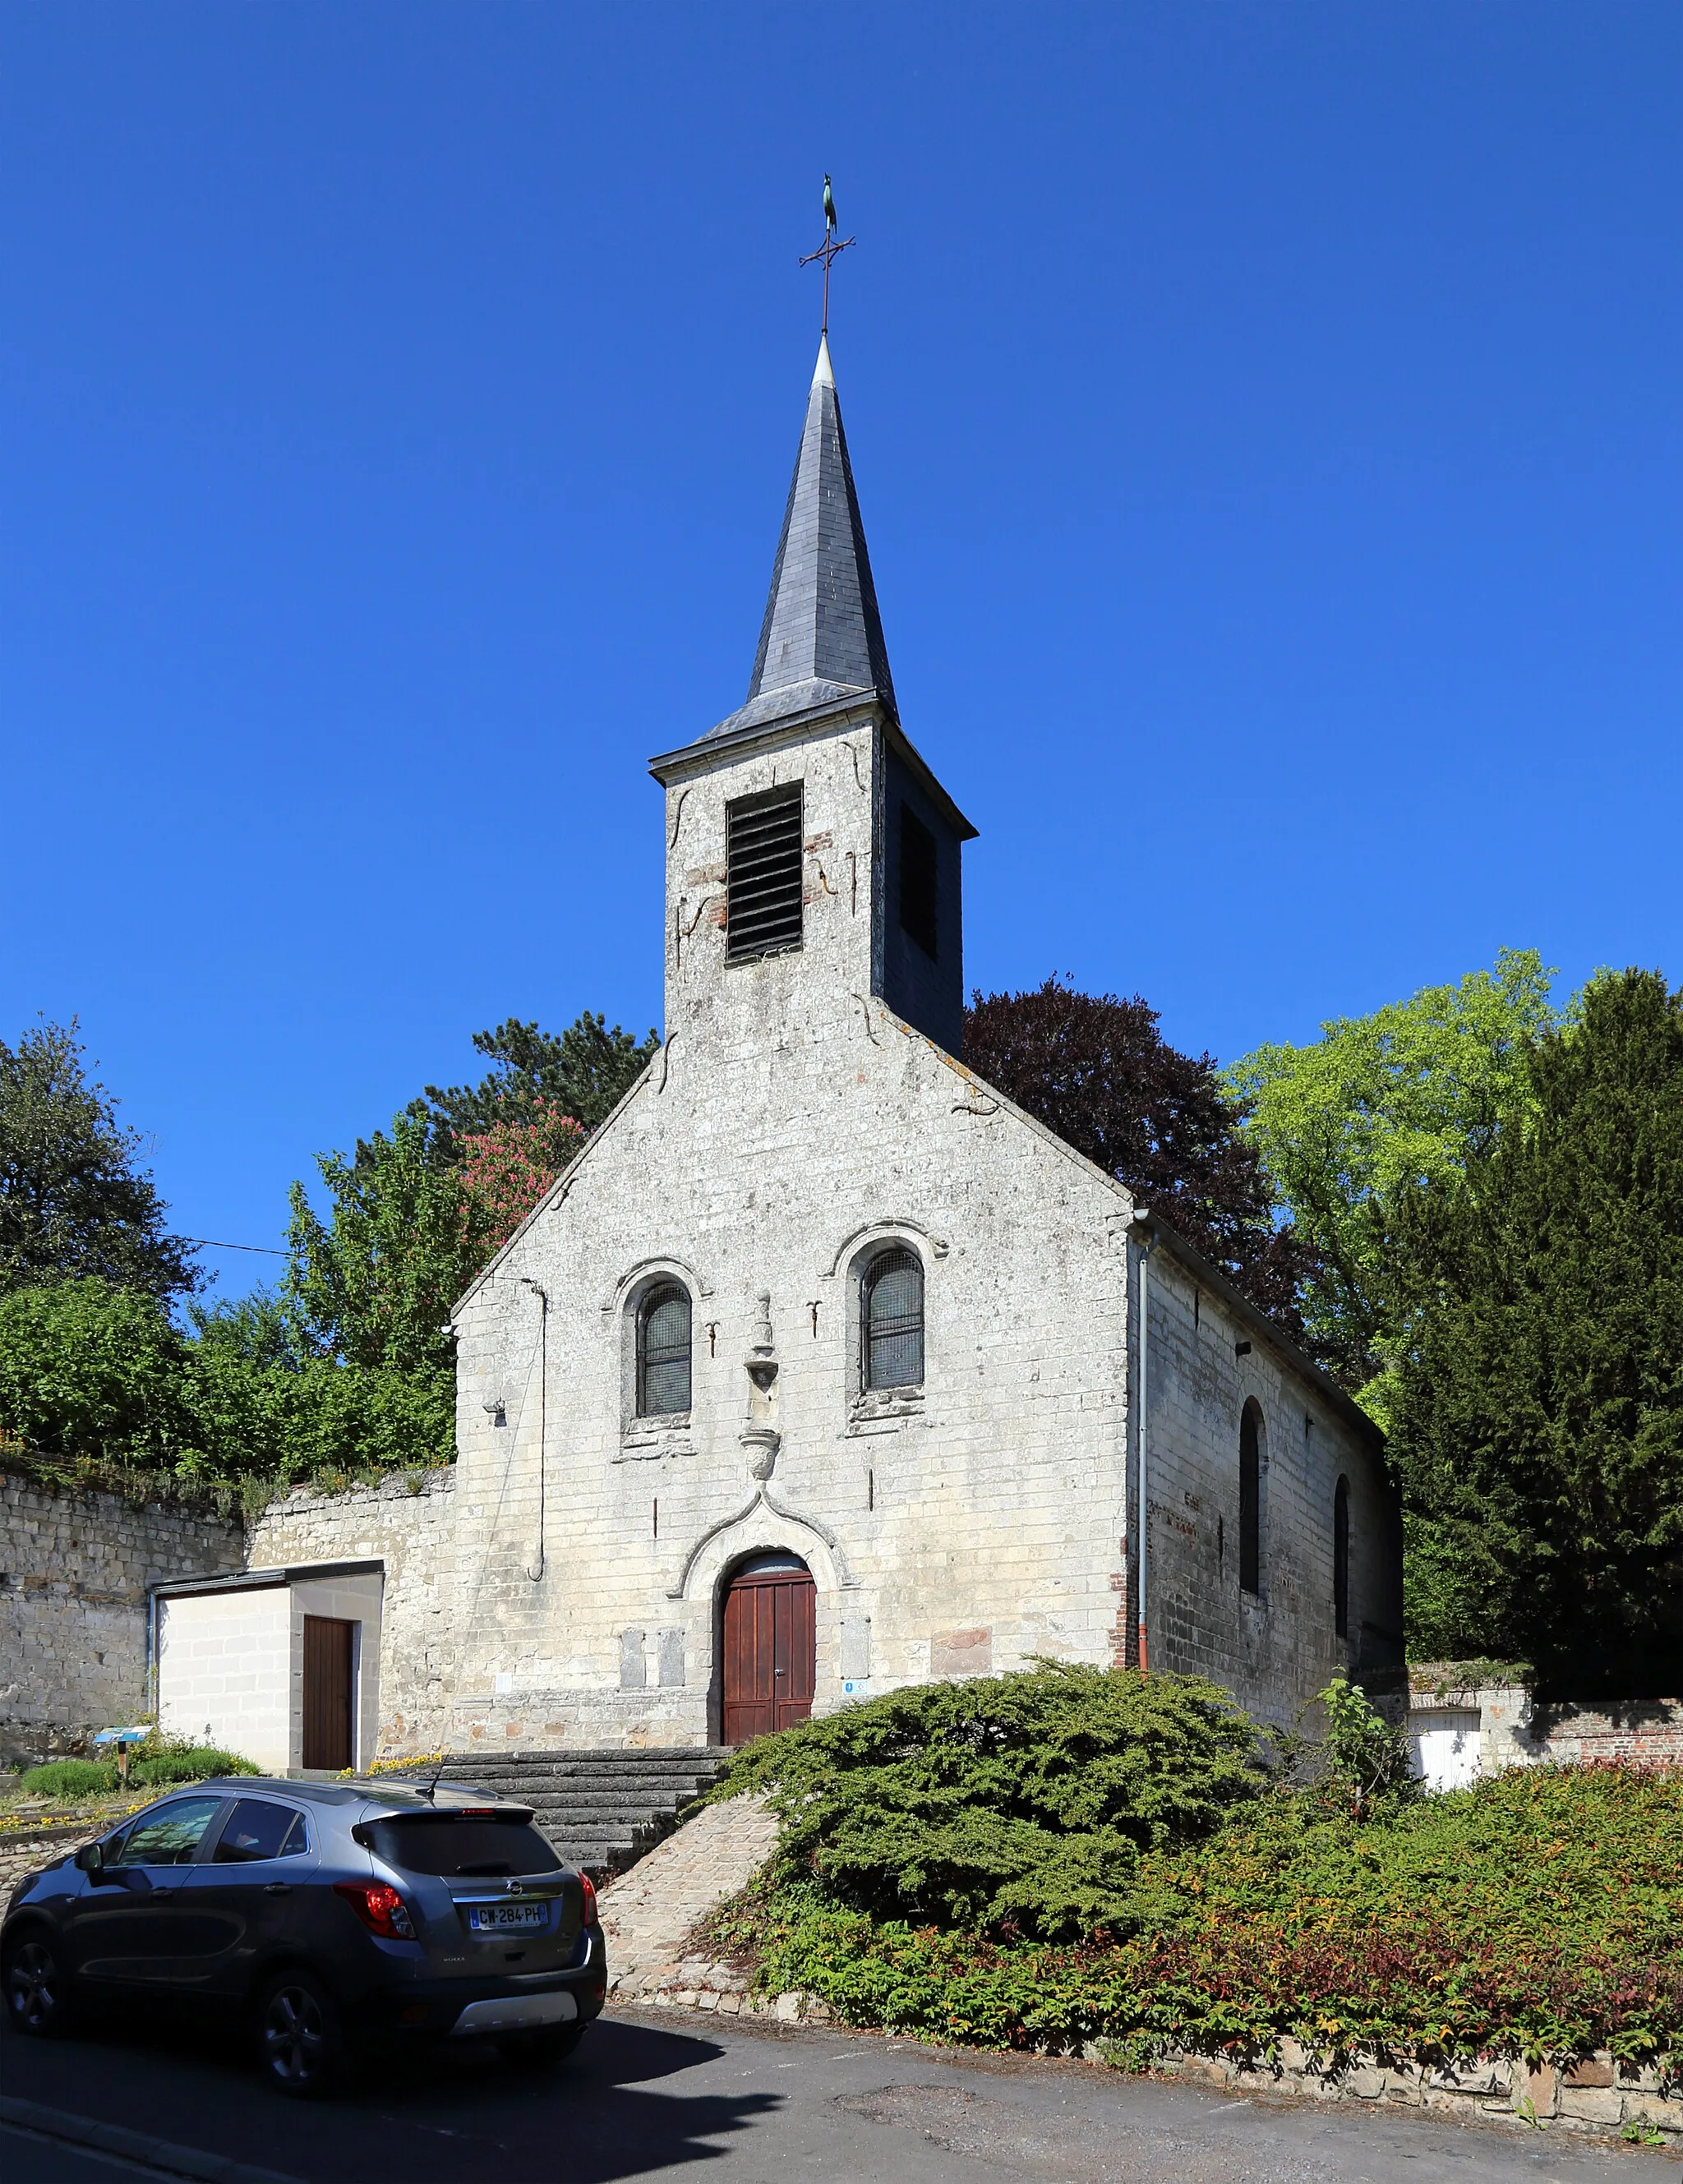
x: 1538, y: 1419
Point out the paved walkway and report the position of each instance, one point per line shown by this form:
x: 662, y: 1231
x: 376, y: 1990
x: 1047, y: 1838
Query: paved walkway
x: 647, y: 1915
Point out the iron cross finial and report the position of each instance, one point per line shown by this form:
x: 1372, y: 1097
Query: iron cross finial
x: 828, y: 250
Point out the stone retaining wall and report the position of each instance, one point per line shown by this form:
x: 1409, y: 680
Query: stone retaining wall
x: 1594, y: 2094
x: 74, y: 1567
x: 1460, y: 1730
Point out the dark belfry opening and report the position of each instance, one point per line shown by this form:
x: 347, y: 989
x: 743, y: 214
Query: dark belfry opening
x: 762, y: 872
x: 917, y: 880
x: 1249, y: 1501
x: 1340, y: 1558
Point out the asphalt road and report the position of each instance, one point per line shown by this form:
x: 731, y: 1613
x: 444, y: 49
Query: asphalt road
x: 662, y: 2095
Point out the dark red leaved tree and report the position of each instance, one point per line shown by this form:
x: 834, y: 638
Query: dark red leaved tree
x: 1097, y: 1070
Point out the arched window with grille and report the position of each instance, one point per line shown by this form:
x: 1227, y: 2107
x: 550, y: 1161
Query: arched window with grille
x: 1250, y: 1498
x: 663, y: 1351
x: 891, y: 1332
x: 1340, y: 1558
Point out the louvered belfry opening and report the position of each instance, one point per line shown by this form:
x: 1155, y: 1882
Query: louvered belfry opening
x: 762, y: 867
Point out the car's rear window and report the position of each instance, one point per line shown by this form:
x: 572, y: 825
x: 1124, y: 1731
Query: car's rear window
x: 440, y: 1842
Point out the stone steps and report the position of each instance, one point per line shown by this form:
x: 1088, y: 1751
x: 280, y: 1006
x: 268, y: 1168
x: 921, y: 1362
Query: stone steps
x: 602, y: 1810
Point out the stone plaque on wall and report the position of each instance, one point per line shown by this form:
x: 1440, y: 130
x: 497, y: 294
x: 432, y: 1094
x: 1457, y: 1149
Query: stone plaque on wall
x: 962, y: 1652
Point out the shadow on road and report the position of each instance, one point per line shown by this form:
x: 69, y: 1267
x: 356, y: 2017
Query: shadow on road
x: 438, y: 2117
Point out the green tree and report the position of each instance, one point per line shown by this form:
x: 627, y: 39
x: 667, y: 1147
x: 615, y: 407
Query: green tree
x: 373, y: 1283
x: 582, y: 1073
x: 261, y: 1411
x: 1097, y: 1071
x: 256, y: 1328
x: 74, y: 1201
x: 1404, y: 1096
x: 1538, y: 1408
x: 89, y: 1369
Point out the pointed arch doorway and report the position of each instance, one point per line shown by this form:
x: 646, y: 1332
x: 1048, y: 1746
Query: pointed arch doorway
x: 769, y: 1649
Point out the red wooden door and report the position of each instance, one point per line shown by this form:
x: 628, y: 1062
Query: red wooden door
x: 327, y: 1648
x: 770, y: 1648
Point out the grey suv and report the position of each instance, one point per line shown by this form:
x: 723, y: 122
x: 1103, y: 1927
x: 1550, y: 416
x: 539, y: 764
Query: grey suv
x: 339, y: 1915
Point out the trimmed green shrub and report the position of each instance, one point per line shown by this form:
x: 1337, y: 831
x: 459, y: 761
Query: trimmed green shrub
x: 1015, y: 1804
x: 195, y: 1764
x: 70, y: 1777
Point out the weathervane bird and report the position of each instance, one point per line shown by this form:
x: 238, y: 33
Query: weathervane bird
x: 828, y: 250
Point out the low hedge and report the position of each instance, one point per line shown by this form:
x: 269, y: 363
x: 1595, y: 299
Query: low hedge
x: 1023, y: 1803
x: 196, y: 1762
x: 69, y: 1778
x: 151, y: 1767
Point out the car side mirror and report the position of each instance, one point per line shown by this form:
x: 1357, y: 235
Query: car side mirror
x: 91, y: 1857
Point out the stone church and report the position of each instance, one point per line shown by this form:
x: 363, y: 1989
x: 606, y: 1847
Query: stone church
x: 824, y: 1369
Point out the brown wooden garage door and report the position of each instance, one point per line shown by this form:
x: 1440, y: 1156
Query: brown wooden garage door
x: 770, y: 1647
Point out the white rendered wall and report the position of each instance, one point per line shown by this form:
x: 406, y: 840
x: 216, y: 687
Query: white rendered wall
x: 224, y: 1672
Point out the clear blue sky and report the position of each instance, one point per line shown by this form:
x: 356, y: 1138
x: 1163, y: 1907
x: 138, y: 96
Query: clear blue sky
x: 1266, y: 421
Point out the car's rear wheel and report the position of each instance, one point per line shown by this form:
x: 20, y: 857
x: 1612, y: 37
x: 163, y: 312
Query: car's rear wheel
x: 539, y: 2050
x: 300, y: 2041
x: 37, y: 1992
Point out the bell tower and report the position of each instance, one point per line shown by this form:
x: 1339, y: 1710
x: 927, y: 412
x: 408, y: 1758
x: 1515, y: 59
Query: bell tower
x: 813, y: 856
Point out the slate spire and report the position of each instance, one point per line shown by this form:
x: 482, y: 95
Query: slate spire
x: 821, y: 628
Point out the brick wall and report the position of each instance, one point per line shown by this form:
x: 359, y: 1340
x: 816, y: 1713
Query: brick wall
x: 1459, y: 1732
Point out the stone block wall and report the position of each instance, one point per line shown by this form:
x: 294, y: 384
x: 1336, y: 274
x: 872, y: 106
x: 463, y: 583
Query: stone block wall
x: 405, y: 1522
x: 1591, y: 2093
x: 1275, y: 1646
x: 1459, y: 1730
x: 74, y: 1567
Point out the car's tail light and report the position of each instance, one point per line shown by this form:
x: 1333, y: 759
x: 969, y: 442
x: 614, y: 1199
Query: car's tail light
x: 590, y: 1888
x: 379, y: 1905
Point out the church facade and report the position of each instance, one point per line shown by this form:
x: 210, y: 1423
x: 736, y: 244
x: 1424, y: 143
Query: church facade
x: 824, y: 1369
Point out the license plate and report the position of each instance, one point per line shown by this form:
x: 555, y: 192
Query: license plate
x: 500, y: 1918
